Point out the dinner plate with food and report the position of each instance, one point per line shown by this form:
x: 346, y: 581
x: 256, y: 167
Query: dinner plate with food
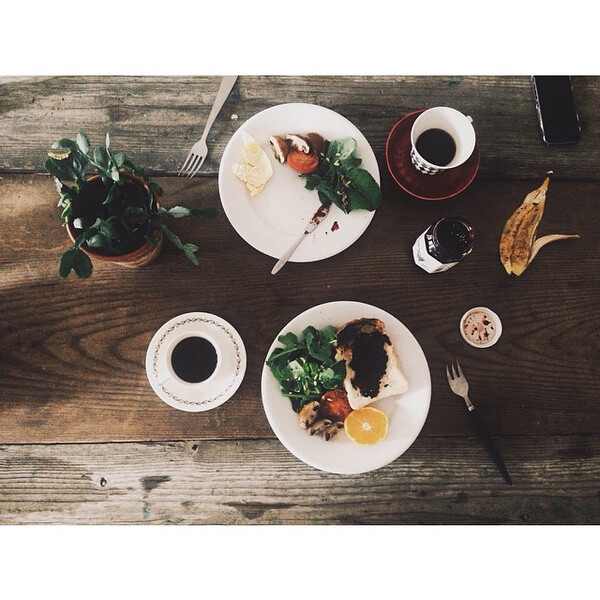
x: 346, y: 387
x: 299, y: 167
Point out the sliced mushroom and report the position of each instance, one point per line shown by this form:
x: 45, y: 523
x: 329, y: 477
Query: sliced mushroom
x: 280, y: 147
x: 316, y: 143
x: 298, y: 142
x: 332, y: 430
x: 319, y: 427
x: 308, y: 413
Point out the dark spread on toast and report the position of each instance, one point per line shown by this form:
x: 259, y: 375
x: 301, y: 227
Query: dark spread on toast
x: 369, y: 358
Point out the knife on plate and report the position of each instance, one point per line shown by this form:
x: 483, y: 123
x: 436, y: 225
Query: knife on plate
x: 317, y: 218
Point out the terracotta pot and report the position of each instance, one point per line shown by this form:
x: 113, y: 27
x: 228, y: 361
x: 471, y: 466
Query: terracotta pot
x: 140, y: 257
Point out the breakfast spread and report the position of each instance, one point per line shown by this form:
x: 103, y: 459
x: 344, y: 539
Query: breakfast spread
x: 372, y: 368
x: 256, y: 170
x: 330, y: 375
x: 443, y: 244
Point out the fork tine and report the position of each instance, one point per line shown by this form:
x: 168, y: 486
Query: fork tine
x: 448, y: 375
x: 199, y: 165
x: 191, y: 166
x: 185, y: 165
x: 458, y: 369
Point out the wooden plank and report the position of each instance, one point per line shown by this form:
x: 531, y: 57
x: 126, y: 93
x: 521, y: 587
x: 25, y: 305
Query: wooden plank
x: 157, y: 119
x: 72, y: 352
x: 443, y: 480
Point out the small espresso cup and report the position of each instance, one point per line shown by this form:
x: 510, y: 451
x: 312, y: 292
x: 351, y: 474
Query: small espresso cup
x: 456, y: 132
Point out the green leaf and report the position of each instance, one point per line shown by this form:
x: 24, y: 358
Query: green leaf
x: 190, y: 252
x: 82, y: 265
x: 364, y: 192
x: 101, y: 158
x: 110, y: 196
x: 83, y: 142
x: 178, y: 211
x: 153, y: 186
x: 171, y: 236
x: 339, y: 150
x: 289, y: 340
x: 96, y: 241
x: 108, y: 230
x: 76, y: 260
x: 119, y: 159
x: 67, y: 210
x: 135, y: 213
x: 333, y: 377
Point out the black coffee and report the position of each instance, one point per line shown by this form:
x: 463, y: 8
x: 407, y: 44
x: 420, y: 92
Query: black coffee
x: 436, y: 146
x: 194, y: 359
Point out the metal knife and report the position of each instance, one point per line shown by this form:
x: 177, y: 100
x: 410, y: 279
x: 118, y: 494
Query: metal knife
x: 321, y: 213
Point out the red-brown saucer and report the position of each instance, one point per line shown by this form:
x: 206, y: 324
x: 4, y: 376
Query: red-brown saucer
x: 427, y: 187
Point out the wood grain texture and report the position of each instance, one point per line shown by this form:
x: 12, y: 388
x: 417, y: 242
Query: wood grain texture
x: 72, y: 352
x: 441, y: 480
x: 157, y: 119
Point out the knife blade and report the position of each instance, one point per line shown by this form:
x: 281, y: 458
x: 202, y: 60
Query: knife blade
x: 314, y: 222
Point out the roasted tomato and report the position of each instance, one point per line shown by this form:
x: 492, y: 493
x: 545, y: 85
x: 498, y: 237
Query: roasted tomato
x: 334, y: 405
x: 302, y: 162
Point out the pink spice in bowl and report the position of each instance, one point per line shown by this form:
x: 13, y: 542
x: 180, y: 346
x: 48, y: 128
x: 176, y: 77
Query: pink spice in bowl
x: 480, y: 327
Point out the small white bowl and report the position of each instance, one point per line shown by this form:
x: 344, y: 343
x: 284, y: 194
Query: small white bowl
x: 495, y: 318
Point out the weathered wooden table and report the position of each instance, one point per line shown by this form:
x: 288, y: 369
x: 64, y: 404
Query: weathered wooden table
x: 83, y: 439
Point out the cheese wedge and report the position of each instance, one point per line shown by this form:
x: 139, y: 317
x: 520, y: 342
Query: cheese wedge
x: 256, y: 169
x: 373, y: 371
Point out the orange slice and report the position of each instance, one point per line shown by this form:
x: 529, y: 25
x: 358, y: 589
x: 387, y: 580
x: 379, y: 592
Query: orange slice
x: 366, y: 426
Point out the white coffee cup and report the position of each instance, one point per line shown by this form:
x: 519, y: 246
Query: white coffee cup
x: 453, y: 122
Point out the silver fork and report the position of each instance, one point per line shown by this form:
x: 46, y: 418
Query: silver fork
x: 460, y: 386
x: 199, y: 150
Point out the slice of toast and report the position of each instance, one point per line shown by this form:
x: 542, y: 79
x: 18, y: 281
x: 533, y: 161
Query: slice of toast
x: 373, y: 370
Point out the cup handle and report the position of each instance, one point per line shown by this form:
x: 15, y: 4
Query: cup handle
x: 470, y: 118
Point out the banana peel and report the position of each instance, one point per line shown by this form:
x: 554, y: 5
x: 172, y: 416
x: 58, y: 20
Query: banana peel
x: 518, y: 243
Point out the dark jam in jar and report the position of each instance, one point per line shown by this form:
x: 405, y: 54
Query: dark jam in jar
x: 443, y: 244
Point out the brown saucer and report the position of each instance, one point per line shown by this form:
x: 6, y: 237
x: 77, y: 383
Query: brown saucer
x: 427, y: 187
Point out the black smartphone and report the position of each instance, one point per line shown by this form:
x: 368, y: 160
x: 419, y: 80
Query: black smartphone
x: 556, y: 110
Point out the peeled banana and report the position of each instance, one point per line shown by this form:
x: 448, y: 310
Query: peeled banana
x: 518, y: 244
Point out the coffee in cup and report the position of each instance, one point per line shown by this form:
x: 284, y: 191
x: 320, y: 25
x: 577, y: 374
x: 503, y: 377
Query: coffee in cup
x: 194, y: 359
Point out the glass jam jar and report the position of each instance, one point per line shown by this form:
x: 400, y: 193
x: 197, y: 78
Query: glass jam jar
x: 443, y: 244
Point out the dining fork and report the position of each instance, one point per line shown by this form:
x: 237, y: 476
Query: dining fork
x: 460, y: 386
x: 199, y: 150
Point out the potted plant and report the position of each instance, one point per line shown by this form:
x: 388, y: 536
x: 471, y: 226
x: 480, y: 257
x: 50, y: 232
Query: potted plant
x: 114, y: 214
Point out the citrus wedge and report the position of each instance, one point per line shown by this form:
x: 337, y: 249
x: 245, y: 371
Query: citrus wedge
x: 366, y: 426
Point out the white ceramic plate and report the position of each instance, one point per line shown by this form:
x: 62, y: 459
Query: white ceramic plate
x: 228, y: 376
x: 272, y: 220
x: 406, y: 412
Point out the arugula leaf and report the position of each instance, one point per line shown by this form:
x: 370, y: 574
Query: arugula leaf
x: 305, y: 367
x: 341, y: 181
x: 363, y: 191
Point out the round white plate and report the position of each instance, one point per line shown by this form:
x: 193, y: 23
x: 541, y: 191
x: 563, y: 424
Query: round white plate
x: 273, y: 220
x: 196, y: 397
x: 406, y: 412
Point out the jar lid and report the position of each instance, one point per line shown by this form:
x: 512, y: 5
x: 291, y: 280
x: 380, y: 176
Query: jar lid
x: 480, y: 327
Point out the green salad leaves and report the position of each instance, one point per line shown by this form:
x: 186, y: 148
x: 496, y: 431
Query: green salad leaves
x: 340, y: 180
x: 305, y: 368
